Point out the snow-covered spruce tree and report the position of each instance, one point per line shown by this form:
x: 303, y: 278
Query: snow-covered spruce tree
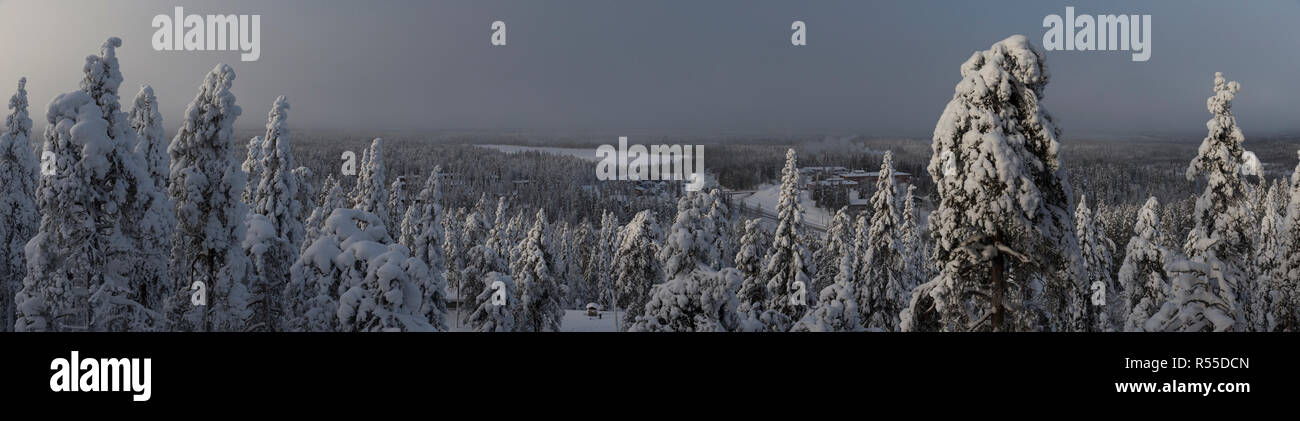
x: 839, y: 240
x: 695, y: 295
x: 540, y: 303
x: 882, y: 267
x: 555, y: 237
x: 333, y: 198
x: 59, y: 262
x: 483, y: 259
x: 18, y: 212
x: 276, y: 198
x: 252, y: 167
x: 1096, y: 251
x: 837, y: 305
x: 370, y: 195
x: 513, y: 233
x: 688, y: 244
x: 1002, y: 198
x: 1191, y: 306
x: 494, y: 306
x: 1223, y: 213
x: 1272, y: 311
x: 636, y: 268
x: 788, y: 261
x: 702, y: 300
x: 398, y: 200
x: 479, y: 257
x: 151, y: 144
x: 1142, y: 277
x: 575, y: 291
x: 599, y: 280
x: 355, y: 278
x: 719, y: 214
x: 502, y: 216
x: 452, y: 251
x: 206, y: 185
x: 1290, y: 260
x: 749, y: 261
x: 422, y: 233
x: 916, y: 267
x: 580, y: 249
x: 131, y: 228
x: 118, y: 214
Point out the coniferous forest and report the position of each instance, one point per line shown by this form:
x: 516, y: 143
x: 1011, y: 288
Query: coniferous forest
x: 122, y: 216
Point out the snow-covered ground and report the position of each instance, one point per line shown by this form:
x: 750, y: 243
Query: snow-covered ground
x: 578, y: 321
x: 581, y: 153
x: 768, y: 195
x: 574, y: 321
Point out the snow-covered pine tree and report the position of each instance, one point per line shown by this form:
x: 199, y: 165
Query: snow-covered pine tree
x: 882, y: 272
x: 1290, y: 261
x: 1002, y: 198
x: 494, y: 307
x: 837, y: 305
x: 536, y: 288
x: 422, y: 233
x: 788, y: 261
x: 1223, y: 214
x: 275, y: 198
x: 635, y: 267
x: 370, y: 195
x: 206, y: 185
x: 838, y: 242
x: 1272, y: 308
x: 18, y: 211
x: 1095, y: 249
x: 1142, y: 277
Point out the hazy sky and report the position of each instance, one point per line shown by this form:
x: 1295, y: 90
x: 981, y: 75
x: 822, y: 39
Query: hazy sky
x: 870, y: 67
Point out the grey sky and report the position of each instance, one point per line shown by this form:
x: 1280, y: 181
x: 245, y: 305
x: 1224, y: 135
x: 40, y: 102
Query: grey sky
x: 871, y: 67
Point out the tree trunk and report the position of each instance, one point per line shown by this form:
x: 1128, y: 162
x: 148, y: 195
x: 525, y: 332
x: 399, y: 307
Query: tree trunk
x: 998, y: 273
